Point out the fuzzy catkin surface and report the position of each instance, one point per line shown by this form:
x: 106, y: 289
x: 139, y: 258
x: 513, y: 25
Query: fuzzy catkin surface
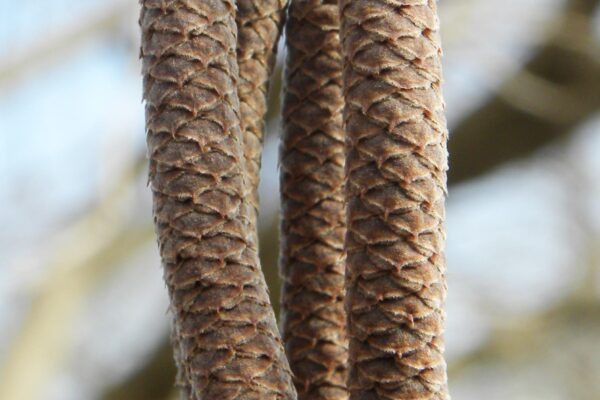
x: 313, y: 201
x: 228, y: 339
x: 396, y: 168
x: 259, y: 26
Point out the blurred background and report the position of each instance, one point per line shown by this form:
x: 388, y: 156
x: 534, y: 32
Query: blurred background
x: 83, y: 309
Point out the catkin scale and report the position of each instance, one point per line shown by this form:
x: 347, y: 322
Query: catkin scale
x: 225, y: 328
x: 259, y: 25
x: 396, y: 168
x: 312, y: 157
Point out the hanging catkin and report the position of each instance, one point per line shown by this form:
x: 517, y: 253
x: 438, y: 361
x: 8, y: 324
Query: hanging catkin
x: 313, y: 220
x: 396, y: 188
x: 228, y: 338
x: 259, y: 25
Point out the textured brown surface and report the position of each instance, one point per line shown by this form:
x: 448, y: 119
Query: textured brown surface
x: 224, y: 323
x: 313, y: 220
x: 182, y: 381
x: 396, y: 186
x: 259, y: 25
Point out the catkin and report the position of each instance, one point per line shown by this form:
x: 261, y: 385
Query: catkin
x: 313, y: 219
x: 259, y: 26
x: 396, y: 166
x: 224, y: 324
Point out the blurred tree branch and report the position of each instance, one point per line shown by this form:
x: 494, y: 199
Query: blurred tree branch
x: 55, y: 46
x: 557, y: 89
x: 83, y: 254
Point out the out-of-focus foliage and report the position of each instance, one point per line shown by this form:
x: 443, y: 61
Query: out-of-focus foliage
x: 83, y: 310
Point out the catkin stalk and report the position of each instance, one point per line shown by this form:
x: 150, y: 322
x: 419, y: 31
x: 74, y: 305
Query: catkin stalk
x: 396, y: 166
x: 313, y: 218
x: 224, y: 324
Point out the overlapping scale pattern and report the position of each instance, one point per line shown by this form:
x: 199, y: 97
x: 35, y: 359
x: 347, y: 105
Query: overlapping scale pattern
x: 312, y: 188
x: 396, y: 166
x: 259, y: 26
x: 224, y: 324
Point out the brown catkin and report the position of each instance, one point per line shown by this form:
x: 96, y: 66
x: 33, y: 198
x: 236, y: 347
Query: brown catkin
x: 259, y: 25
x: 182, y: 381
x: 224, y: 324
x: 313, y: 221
x: 396, y: 166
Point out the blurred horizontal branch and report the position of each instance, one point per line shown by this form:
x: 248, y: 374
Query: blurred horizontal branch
x: 557, y: 89
x: 54, y: 46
